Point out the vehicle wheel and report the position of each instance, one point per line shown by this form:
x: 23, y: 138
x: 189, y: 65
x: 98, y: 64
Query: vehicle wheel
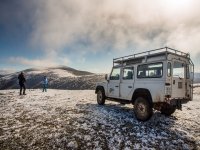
x: 168, y: 109
x: 142, y: 108
x: 100, y: 97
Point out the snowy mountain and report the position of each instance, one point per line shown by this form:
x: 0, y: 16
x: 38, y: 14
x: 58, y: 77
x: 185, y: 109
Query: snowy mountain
x: 5, y: 72
x: 59, y: 78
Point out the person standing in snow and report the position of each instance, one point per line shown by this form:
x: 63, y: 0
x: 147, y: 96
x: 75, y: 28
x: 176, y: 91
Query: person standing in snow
x: 45, y: 84
x: 22, y: 81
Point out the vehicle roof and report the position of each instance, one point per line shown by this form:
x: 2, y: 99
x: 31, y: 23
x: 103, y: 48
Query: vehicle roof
x: 156, y: 53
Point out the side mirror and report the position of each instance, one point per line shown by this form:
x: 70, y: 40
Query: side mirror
x: 106, y: 77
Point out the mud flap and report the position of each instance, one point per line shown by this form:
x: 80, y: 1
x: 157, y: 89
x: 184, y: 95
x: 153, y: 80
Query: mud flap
x: 176, y: 103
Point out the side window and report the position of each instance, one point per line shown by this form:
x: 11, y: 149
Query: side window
x: 150, y: 70
x: 169, y: 70
x: 128, y: 73
x: 115, y: 74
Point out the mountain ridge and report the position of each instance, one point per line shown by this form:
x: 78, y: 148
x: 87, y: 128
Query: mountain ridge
x: 61, y: 77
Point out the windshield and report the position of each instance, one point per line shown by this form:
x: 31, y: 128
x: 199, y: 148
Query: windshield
x: 115, y: 74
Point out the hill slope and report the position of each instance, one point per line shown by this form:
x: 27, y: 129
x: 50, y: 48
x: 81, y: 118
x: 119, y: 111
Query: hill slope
x: 59, y: 78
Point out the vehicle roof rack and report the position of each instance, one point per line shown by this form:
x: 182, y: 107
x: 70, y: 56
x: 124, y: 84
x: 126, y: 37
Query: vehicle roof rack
x: 150, y: 53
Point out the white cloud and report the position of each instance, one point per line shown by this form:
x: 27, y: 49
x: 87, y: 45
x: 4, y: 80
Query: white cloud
x: 107, y: 26
x: 91, y: 25
x: 38, y: 62
x: 29, y: 62
x: 7, y: 71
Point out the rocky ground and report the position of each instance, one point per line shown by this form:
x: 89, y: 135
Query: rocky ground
x: 66, y: 119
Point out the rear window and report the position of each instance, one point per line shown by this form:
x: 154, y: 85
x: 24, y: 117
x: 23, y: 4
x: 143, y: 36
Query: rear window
x: 178, y: 69
x: 150, y: 70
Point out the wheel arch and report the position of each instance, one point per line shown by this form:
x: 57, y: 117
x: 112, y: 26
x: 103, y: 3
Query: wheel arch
x: 98, y: 88
x: 142, y: 92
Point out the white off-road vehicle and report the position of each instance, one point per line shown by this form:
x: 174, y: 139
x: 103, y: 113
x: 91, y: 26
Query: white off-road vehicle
x: 159, y: 79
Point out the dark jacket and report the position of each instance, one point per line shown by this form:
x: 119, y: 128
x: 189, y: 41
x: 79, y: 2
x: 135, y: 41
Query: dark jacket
x: 21, y: 78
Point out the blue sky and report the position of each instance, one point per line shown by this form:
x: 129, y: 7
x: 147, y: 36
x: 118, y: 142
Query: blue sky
x: 87, y: 35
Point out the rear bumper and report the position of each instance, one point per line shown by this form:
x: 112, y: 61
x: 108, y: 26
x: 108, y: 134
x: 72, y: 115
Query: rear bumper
x: 178, y: 102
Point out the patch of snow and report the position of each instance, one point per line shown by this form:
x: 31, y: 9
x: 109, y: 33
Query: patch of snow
x: 59, y: 72
x: 62, y: 73
x: 36, y: 72
x: 72, y: 144
x: 196, y: 85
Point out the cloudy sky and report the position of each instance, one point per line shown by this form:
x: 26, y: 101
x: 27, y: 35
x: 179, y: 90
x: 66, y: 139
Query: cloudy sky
x: 88, y: 34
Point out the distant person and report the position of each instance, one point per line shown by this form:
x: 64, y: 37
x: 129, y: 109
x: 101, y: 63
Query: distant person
x: 22, y: 81
x: 45, y: 84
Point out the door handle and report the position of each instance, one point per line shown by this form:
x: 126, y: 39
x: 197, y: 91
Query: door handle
x: 130, y: 87
x: 173, y: 81
x: 116, y: 86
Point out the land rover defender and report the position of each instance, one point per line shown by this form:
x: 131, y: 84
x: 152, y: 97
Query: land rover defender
x: 159, y: 79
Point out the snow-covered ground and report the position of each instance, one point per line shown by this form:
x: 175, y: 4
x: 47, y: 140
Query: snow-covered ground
x: 66, y: 119
x: 196, y: 85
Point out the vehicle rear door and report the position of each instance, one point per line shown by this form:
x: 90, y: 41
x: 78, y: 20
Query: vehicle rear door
x: 126, y: 84
x: 189, y: 80
x: 178, y: 79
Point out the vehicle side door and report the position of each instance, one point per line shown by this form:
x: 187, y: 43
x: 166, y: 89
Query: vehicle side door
x: 127, y: 83
x: 114, y: 83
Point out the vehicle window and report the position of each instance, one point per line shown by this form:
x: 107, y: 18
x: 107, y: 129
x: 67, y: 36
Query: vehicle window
x: 150, y: 70
x: 128, y: 73
x: 191, y: 73
x: 115, y: 74
x: 169, y: 70
x: 178, y: 69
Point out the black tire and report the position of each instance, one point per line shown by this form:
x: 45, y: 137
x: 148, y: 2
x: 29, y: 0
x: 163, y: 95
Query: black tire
x: 143, y: 109
x: 101, y: 97
x: 168, y: 109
